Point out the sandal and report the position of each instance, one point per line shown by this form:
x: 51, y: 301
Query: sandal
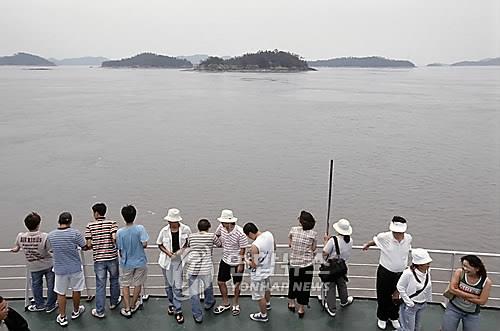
x: 171, y: 310
x: 179, y: 318
x: 236, y: 310
x: 220, y: 309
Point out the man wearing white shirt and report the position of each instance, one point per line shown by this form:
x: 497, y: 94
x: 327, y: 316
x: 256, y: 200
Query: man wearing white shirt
x: 394, y: 248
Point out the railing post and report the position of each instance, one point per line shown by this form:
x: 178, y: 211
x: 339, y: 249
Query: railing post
x: 452, y: 269
x: 82, y: 257
x: 27, y: 287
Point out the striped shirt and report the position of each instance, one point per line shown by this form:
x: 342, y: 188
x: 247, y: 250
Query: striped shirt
x: 200, y: 253
x: 232, y: 242
x: 101, y: 233
x: 64, y: 244
x: 301, y: 253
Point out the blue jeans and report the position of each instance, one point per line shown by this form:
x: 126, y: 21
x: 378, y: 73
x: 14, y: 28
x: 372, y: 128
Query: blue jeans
x: 194, y: 291
x: 102, y: 268
x: 37, y: 287
x: 173, y: 284
x: 453, y: 316
x: 410, y: 317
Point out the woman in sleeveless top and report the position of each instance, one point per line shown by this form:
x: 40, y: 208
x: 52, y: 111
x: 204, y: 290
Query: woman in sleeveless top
x: 470, y: 287
x: 415, y: 289
x: 344, y: 230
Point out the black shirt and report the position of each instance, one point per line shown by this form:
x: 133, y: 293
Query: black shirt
x: 175, y: 241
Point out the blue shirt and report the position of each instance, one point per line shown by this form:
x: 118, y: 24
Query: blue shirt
x: 129, y: 242
x: 64, y: 244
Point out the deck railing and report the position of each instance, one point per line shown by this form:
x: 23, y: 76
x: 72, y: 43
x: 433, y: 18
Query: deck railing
x: 15, y: 279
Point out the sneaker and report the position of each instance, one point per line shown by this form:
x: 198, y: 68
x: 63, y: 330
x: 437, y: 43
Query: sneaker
x: 138, y: 305
x: 258, y: 317
x: 330, y: 312
x: 48, y: 310
x: 395, y: 324
x: 96, y: 314
x: 34, y: 308
x: 125, y: 312
x: 76, y: 314
x: 349, y: 301
x: 268, y: 306
x: 62, y: 320
x: 117, y: 303
x: 381, y: 324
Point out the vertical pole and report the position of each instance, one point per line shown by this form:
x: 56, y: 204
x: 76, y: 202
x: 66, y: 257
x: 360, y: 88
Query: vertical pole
x: 330, y: 189
x: 27, y: 286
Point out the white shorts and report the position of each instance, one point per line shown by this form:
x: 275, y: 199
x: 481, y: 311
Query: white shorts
x: 260, y: 287
x: 74, y: 281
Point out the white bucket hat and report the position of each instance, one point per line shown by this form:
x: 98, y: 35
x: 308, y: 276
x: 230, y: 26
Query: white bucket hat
x: 420, y: 256
x: 398, y: 224
x: 343, y: 227
x: 173, y: 215
x: 226, y: 216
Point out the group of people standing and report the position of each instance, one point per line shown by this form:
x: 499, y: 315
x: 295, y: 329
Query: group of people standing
x: 118, y: 254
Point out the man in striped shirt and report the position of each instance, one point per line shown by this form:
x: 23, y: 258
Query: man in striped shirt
x: 200, y: 267
x: 101, y: 236
x: 65, y: 243
x: 234, y: 242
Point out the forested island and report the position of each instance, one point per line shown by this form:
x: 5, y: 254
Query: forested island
x: 362, y: 62
x: 80, y: 61
x: 480, y: 63
x: 148, y: 60
x: 25, y: 59
x: 275, y: 61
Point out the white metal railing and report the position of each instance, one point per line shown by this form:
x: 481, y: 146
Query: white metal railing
x: 361, y: 274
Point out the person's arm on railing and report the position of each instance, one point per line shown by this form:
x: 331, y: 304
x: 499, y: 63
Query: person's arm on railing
x: 15, y: 249
x: 368, y: 245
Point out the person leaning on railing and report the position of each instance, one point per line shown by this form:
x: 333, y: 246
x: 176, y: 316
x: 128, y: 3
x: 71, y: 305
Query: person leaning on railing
x: 302, y: 243
x: 470, y: 287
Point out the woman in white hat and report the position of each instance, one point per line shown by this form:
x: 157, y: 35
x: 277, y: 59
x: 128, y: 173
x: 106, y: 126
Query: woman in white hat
x: 344, y: 240
x: 415, y: 289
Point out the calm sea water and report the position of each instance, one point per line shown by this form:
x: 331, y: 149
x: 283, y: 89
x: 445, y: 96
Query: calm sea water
x: 421, y: 143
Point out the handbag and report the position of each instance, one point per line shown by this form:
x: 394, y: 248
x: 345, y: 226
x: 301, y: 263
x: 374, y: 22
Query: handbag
x: 333, y: 268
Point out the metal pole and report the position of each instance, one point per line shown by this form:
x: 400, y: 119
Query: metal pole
x: 330, y: 189
x: 27, y: 286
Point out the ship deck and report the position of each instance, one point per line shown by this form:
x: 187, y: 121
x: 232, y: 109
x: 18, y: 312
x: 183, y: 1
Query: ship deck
x: 358, y: 316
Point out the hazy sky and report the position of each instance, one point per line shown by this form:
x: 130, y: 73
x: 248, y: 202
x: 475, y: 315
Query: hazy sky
x: 423, y: 31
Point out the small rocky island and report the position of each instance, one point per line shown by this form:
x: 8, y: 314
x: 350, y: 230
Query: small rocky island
x: 480, y: 63
x: 262, y: 61
x: 362, y: 62
x: 25, y: 59
x: 148, y: 60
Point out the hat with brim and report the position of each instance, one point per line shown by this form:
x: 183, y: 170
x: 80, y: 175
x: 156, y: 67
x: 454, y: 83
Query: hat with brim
x: 420, y: 256
x: 226, y: 216
x: 173, y: 215
x: 398, y: 224
x: 343, y: 227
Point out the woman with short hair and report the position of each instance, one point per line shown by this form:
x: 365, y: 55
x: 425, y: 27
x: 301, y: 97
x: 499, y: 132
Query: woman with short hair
x: 302, y: 243
x: 470, y: 287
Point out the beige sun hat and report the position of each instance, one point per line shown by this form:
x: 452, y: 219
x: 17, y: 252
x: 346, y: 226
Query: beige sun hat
x: 173, y: 215
x: 226, y: 216
x: 420, y: 256
x: 343, y: 227
x: 398, y: 224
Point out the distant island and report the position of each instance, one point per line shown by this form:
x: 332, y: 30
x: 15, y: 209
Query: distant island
x: 480, y: 63
x: 436, y: 65
x: 80, y: 61
x: 362, y: 62
x: 276, y: 61
x: 25, y: 59
x: 148, y: 60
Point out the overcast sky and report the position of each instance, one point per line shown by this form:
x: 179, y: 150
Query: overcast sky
x: 423, y: 31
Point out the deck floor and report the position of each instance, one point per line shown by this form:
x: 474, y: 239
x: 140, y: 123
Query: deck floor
x: 359, y: 316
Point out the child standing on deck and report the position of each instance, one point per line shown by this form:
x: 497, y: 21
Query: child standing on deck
x: 38, y: 261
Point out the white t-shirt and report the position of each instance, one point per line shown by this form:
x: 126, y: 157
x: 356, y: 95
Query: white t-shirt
x: 408, y: 285
x: 344, y: 248
x: 265, y: 264
x: 393, y: 253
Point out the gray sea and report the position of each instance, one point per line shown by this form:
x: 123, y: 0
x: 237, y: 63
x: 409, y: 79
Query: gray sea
x: 422, y: 143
